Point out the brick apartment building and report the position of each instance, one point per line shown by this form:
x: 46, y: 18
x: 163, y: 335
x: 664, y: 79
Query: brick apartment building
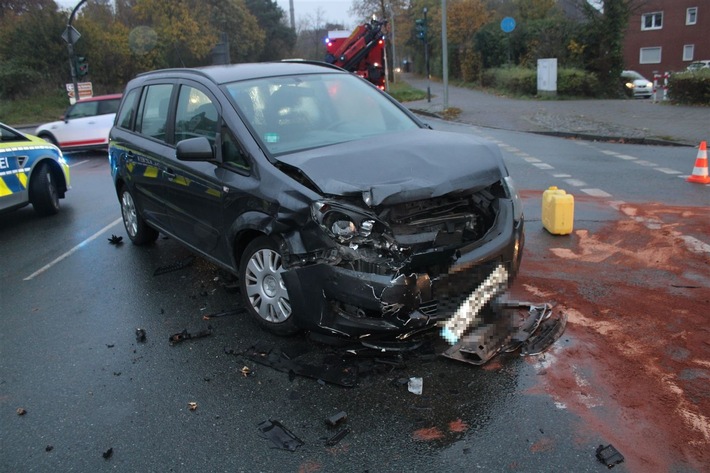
x: 667, y: 35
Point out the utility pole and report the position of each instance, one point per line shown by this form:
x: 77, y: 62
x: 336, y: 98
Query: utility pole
x: 293, y: 15
x: 394, y: 55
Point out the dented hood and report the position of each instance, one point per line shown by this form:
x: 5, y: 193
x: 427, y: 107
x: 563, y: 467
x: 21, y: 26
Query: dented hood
x: 401, y: 167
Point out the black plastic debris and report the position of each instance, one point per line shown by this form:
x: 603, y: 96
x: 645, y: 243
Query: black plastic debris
x: 107, y: 454
x: 115, y: 240
x: 548, y: 333
x: 280, y: 436
x: 609, y: 455
x: 49, y: 448
x: 185, y: 335
x: 174, y: 266
x: 335, y: 439
x: 336, y: 419
x: 140, y: 335
x: 225, y: 313
x: 333, y: 370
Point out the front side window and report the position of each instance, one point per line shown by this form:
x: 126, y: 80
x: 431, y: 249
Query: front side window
x: 652, y: 21
x: 196, y: 115
x: 153, y: 111
x: 293, y: 113
x: 650, y: 56
x: 82, y: 109
x: 691, y: 16
x: 108, y: 106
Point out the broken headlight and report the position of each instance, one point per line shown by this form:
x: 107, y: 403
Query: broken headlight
x: 342, y: 222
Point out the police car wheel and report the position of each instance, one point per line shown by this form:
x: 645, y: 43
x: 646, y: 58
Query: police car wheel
x: 265, y: 295
x: 43, y: 191
x: 138, y: 231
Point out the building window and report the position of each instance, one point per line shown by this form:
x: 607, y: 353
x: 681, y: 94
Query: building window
x: 688, y: 51
x: 650, y: 56
x: 652, y: 21
x: 691, y: 16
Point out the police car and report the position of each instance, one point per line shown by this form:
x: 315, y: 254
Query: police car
x: 32, y: 171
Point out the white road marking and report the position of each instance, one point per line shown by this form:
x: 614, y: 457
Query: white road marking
x: 610, y: 153
x: 646, y: 163
x: 532, y: 160
x: 596, y: 192
x: 626, y: 157
x: 667, y: 171
x: 575, y: 182
x: 73, y: 250
x: 559, y: 176
x: 542, y: 166
x: 80, y: 162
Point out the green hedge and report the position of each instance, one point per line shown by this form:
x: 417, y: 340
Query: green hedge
x: 17, y: 80
x: 691, y: 88
x: 523, y: 81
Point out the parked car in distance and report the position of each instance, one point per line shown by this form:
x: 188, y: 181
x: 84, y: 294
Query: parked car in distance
x: 32, y: 171
x: 636, y: 85
x: 340, y: 212
x: 698, y: 65
x: 84, y: 126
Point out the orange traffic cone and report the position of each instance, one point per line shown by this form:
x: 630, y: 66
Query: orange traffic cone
x: 700, y: 171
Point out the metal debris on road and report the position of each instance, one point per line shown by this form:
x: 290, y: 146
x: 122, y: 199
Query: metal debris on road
x: 336, y: 419
x: 246, y: 371
x: 185, y: 335
x: 21, y: 411
x: 192, y: 406
x: 609, y: 455
x: 280, y: 436
x: 174, y: 266
x: 116, y: 240
x: 140, y: 335
x: 335, y: 439
x: 508, y: 330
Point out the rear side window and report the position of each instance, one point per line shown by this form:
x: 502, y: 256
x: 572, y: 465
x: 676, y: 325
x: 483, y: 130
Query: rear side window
x: 125, y: 117
x: 108, y: 106
x: 153, y: 111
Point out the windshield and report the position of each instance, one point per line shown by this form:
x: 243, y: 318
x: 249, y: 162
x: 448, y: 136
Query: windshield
x: 294, y: 113
x: 633, y: 75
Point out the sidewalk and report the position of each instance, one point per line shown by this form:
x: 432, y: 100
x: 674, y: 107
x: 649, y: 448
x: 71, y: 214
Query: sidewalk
x: 639, y: 120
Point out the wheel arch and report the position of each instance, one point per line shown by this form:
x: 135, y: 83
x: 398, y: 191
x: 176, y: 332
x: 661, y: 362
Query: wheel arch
x: 57, y: 175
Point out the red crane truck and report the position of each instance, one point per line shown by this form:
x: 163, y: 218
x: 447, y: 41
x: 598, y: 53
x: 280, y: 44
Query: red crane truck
x: 361, y: 51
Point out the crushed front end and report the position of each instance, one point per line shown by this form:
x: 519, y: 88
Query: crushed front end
x: 396, y: 269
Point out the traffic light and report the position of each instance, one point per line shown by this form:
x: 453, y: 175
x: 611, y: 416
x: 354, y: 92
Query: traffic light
x: 421, y: 28
x: 82, y: 66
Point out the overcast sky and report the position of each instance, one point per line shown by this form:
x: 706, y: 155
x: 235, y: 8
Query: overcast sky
x: 332, y: 11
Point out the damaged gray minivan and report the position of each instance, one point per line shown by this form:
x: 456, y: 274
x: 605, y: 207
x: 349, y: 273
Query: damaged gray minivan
x: 340, y: 212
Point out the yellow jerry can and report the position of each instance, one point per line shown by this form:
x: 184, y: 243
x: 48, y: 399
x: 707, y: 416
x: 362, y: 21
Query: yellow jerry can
x: 557, y: 211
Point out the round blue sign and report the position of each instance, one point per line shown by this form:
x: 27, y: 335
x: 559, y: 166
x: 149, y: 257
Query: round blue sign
x: 507, y: 24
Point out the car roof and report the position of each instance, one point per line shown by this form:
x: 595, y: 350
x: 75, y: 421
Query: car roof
x: 101, y: 97
x: 236, y: 72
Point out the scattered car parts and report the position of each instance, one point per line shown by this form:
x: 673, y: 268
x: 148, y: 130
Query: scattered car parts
x: 280, y: 436
x: 609, y: 455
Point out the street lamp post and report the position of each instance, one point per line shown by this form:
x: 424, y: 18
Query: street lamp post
x: 72, y: 36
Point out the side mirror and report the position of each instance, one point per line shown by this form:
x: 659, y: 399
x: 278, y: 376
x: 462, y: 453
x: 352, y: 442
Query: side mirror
x: 195, y: 149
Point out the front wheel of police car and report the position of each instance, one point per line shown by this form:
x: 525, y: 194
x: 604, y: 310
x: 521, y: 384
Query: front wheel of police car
x: 138, y: 231
x: 43, y: 191
x: 265, y: 294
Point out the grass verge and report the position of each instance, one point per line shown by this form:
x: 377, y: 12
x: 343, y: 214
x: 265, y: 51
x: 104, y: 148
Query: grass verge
x: 38, y: 109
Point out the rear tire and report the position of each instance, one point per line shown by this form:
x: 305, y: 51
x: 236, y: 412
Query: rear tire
x: 43, y: 189
x: 138, y: 231
x: 264, y: 292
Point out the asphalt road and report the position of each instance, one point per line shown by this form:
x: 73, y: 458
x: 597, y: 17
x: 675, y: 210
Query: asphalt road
x: 71, y: 302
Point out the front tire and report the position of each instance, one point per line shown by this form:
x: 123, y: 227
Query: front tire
x: 49, y: 139
x: 43, y: 189
x: 265, y: 295
x: 138, y: 231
